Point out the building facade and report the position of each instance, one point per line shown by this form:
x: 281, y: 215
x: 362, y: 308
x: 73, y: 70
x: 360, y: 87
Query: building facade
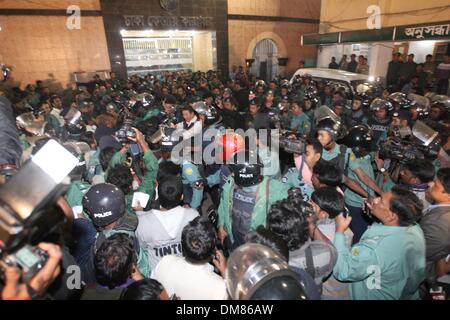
x: 376, y: 29
x: 61, y: 42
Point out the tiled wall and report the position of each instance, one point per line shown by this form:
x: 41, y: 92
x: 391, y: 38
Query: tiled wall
x: 289, y: 33
x: 280, y: 8
x: 242, y: 32
x: 49, y: 4
x: 41, y: 47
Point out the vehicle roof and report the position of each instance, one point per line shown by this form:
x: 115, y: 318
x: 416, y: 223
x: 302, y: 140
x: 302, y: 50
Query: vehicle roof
x: 331, y: 74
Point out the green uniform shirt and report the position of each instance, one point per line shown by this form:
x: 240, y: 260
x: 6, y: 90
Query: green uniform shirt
x: 76, y: 192
x: 387, y: 264
x: 365, y: 164
x: 301, y: 124
x: 349, y: 156
x: 191, y: 175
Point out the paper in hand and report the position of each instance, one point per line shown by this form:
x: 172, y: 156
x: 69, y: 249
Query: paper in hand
x: 140, y: 199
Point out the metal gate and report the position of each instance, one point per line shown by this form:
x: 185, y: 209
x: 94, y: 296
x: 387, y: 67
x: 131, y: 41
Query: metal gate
x: 266, y: 60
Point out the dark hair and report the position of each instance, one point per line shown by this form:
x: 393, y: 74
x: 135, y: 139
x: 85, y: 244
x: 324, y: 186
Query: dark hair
x: 87, y: 137
x: 443, y: 176
x: 269, y: 239
x: 329, y: 200
x: 317, y: 146
x: 406, y: 205
x: 146, y: 289
x: 106, y: 156
x: 114, y: 260
x: 188, y: 108
x: 121, y: 177
x: 422, y: 169
x: 170, y: 192
x: 168, y: 169
x: 287, y: 219
x: 327, y: 174
x: 199, y: 240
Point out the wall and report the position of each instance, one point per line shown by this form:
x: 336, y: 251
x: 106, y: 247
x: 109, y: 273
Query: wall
x: 202, y: 51
x: 421, y: 49
x: 40, y: 47
x: 344, y: 15
x: 50, y: 4
x: 244, y: 34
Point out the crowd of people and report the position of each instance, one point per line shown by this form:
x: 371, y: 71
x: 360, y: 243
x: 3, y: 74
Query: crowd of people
x: 360, y: 210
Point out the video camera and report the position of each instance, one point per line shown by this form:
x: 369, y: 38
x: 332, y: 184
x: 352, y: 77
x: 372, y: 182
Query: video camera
x: 289, y: 144
x: 424, y: 143
x: 27, y: 213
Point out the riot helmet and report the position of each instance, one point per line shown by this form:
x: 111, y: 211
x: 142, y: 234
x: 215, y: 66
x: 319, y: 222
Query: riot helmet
x: 359, y: 139
x: 210, y: 113
x: 247, y: 168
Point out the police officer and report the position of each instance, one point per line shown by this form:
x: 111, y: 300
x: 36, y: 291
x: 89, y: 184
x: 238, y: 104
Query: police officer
x: 342, y: 157
x: 359, y: 139
x: 356, y: 116
x: 78, y: 187
x: 379, y: 122
x: 105, y: 205
x: 300, y: 122
x: 246, y: 198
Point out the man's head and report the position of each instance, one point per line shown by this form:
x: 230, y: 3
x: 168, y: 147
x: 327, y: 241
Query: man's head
x: 169, y: 104
x: 401, y: 119
x: 253, y: 108
x: 313, y: 153
x: 411, y: 57
x: 439, y: 190
x: 199, y: 241
x: 265, y: 237
x: 146, y: 289
x: 45, y: 107
x: 338, y: 108
x: 121, y: 177
x: 447, y: 58
x: 417, y: 172
x: 437, y: 110
x: 296, y: 108
x: 56, y: 102
x: 356, y: 104
x: 188, y: 113
x: 170, y: 192
x: 326, y: 175
x: 288, y: 219
x: 333, y: 59
x: 398, y: 207
x: 353, y: 57
x: 429, y: 58
x: 328, y: 203
x: 396, y: 56
x: 229, y: 104
x: 114, y: 261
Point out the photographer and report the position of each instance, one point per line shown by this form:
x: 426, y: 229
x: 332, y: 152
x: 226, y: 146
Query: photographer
x: 391, y: 253
x: 415, y: 175
x: 289, y: 219
x: 10, y: 146
x: 35, y: 289
x: 147, y: 180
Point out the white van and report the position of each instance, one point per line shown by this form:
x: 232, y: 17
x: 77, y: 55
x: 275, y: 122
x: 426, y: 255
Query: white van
x: 339, y: 78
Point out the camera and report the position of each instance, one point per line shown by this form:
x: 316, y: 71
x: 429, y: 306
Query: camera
x: 126, y: 132
x: 29, y: 260
x: 27, y: 213
x: 295, y: 146
x: 400, y: 151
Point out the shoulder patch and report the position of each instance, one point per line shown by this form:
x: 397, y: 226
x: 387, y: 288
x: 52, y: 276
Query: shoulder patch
x: 352, y: 157
x: 189, y: 171
x: 355, y: 251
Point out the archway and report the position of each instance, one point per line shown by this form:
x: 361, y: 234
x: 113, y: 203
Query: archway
x: 266, y: 55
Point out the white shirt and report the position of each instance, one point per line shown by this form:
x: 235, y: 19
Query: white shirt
x: 56, y: 113
x: 189, y: 281
x: 192, y: 132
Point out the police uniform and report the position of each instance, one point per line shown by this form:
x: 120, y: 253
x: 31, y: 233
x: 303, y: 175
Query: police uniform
x: 379, y: 130
x: 75, y: 194
x: 191, y: 177
x: 341, y: 157
x: 301, y: 124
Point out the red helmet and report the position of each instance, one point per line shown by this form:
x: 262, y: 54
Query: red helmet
x: 230, y: 144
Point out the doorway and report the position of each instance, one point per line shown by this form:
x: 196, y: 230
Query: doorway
x: 266, y: 60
